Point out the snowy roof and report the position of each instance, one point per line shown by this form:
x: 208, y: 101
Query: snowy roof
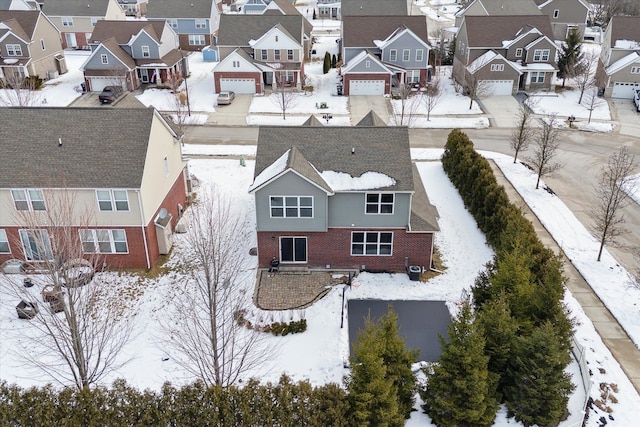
x: 340, y: 181
x: 623, y: 62
x: 482, y: 60
x: 626, y: 44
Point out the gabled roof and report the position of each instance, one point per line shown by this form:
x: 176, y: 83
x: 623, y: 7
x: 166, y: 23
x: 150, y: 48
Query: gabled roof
x: 365, y: 55
x: 503, y: 7
x: 624, y: 28
x: 76, y: 7
x: 239, y: 29
x: 542, y: 3
x: 633, y: 57
x: 114, y: 48
x: 243, y: 55
x: 312, y: 121
x: 284, y: 7
x: 22, y: 22
x: 371, y: 119
x: 374, y: 8
x: 493, y: 31
x: 169, y: 9
x: 362, y: 31
x: 488, y: 57
x: 109, y: 149
x: 123, y: 31
x: 383, y: 150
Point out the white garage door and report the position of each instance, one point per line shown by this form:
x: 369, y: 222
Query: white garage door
x: 98, y: 83
x: 498, y: 87
x: 238, y: 85
x: 624, y: 90
x: 366, y: 87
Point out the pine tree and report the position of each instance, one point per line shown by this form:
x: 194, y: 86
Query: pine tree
x: 397, y: 360
x: 372, y: 397
x: 314, y: 14
x: 540, y: 390
x: 460, y: 389
x: 570, y: 55
x: 327, y: 63
x: 334, y: 61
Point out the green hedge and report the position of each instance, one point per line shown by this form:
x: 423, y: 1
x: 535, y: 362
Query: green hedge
x: 254, y: 404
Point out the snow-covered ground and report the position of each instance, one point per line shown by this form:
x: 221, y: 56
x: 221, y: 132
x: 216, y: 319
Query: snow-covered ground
x: 318, y: 354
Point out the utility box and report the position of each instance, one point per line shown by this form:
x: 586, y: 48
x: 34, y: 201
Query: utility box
x: 414, y: 272
x: 164, y: 232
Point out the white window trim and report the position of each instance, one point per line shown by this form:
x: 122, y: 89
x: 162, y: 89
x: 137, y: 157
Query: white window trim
x: 28, y: 199
x: 367, y: 64
x: 42, y: 45
x: 419, y: 55
x: 393, y: 55
x: 379, y: 203
x: 556, y: 13
x: 406, y: 55
x: 196, y: 40
x: 146, y: 52
x: 67, y: 21
x: 290, y: 55
x: 542, y: 54
x: 276, y: 54
x: 378, y: 243
x: 298, y: 207
x: 94, y: 21
x: 537, y: 75
x: 104, y: 58
x: 14, y: 50
x: 497, y: 67
x: 96, y: 243
x: 635, y: 70
x: 519, y: 52
x: 43, y: 237
x: 173, y: 23
x: 201, y: 24
x: 113, y: 201
x: 4, y: 239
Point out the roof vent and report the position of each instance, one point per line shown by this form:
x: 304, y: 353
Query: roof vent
x: 59, y: 142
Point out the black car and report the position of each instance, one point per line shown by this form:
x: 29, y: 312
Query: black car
x: 110, y: 94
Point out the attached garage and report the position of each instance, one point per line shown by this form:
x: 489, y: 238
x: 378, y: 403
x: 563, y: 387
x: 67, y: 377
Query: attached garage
x: 238, y: 85
x: 497, y: 87
x: 624, y: 90
x: 366, y: 87
x: 96, y: 84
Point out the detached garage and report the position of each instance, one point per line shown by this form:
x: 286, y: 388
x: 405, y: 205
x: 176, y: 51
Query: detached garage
x: 238, y: 85
x: 624, y: 90
x: 498, y: 87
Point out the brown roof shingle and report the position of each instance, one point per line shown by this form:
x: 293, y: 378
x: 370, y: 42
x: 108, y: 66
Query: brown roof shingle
x: 492, y: 31
x: 361, y: 31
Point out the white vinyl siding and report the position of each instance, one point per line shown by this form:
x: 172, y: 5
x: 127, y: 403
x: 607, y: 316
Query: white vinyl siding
x: 108, y: 199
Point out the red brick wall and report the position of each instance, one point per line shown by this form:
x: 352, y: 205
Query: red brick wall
x: 239, y: 75
x: 385, y: 77
x: 334, y: 248
x: 183, y: 40
x: 81, y: 39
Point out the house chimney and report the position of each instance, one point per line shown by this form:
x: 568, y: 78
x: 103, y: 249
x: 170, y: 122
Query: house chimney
x: 353, y: 150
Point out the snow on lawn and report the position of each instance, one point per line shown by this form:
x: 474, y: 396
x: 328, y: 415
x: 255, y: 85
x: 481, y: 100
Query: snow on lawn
x: 565, y: 103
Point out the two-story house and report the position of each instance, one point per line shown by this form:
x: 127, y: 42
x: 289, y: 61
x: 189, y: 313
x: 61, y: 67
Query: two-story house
x: 258, y: 52
x: 195, y: 21
x: 496, y: 8
x: 115, y: 176
x: 29, y: 45
x: 329, y: 9
x: 618, y: 73
x: 76, y: 19
x: 505, y: 54
x: 341, y: 197
x: 131, y: 53
x: 19, y: 5
x: 381, y: 52
x: 136, y: 8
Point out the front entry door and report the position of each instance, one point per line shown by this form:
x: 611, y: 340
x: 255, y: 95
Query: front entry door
x: 293, y: 249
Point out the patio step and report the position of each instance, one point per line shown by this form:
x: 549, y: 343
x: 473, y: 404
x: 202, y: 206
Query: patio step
x: 294, y: 270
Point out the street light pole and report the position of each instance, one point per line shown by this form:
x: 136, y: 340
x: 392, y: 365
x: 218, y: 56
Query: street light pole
x: 186, y: 85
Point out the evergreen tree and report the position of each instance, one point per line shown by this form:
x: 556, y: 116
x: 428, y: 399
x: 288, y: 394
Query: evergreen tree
x: 314, y: 14
x: 540, y: 389
x: 327, y: 63
x: 570, y: 55
x: 334, y: 61
x: 372, y: 397
x: 397, y: 360
x: 460, y: 390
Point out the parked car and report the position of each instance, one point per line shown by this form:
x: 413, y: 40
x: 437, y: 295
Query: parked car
x: 109, y: 94
x: 226, y: 97
x: 636, y: 98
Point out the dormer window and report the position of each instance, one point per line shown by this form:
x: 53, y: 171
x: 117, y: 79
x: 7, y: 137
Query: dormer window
x: 145, y: 52
x: 519, y: 52
x: 14, y: 50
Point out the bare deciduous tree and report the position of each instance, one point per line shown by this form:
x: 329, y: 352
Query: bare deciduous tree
x: 18, y: 91
x: 592, y: 101
x: 283, y: 95
x: 602, y: 11
x: 523, y: 131
x: 612, y: 195
x: 472, y: 84
x: 545, y: 149
x: 405, y: 110
x: 80, y: 337
x: 432, y: 95
x: 209, y: 330
x: 179, y: 99
x: 584, y: 73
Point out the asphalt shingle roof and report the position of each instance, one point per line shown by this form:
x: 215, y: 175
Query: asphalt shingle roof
x: 179, y: 9
x: 376, y: 149
x: 492, y: 31
x: 374, y: 7
x: 124, y: 30
x: 101, y: 148
x: 361, y: 31
x: 625, y: 28
x: 75, y: 7
x: 26, y: 19
x: 237, y: 30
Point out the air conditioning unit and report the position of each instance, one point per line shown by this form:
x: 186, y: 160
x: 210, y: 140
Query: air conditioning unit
x: 53, y: 74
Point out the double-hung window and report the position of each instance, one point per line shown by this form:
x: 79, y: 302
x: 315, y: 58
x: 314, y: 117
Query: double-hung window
x: 104, y: 241
x: 146, y: 53
x: 537, y: 77
x: 173, y: 23
x: 291, y: 206
x: 28, y: 200
x: 419, y: 55
x: 196, y: 39
x: 4, y: 242
x: 540, y: 55
x: 289, y: 54
x: 371, y: 243
x: 14, y: 50
x: 201, y: 24
x: 67, y: 21
x: 264, y: 54
x: 113, y: 200
x: 406, y: 55
x: 393, y: 55
x: 379, y: 203
x: 276, y: 54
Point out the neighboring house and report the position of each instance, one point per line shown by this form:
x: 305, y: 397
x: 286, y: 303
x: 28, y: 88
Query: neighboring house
x: 374, y: 8
x: 565, y: 15
x: 341, y: 198
x: 137, y: 8
x: 120, y: 168
x: 505, y: 54
x: 259, y: 52
x: 131, y: 53
x: 329, y: 9
x: 29, y: 45
x: 195, y: 21
x: 254, y: 7
x: 19, y: 5
x: 618, y: 71
x: 381, y: 52
x: 76, y: 19
x: 497, y: 8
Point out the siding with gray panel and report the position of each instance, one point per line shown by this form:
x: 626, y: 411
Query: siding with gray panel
x: 144, y: 40
x: 406, y: 41
x: 347, y: 210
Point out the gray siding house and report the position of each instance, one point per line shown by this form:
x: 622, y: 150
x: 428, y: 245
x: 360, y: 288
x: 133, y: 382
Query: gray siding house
x: 618, y: 71
x: 195, y: 22
x: 341, y: 198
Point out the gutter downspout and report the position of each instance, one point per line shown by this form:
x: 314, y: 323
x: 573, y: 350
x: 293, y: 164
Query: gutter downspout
x: 144, y: 231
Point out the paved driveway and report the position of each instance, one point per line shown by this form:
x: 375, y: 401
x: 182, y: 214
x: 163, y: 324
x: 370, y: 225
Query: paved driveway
x: 234, y: 114
x: 501, y: 108
x: 359, y: 106
x: 420, y: 322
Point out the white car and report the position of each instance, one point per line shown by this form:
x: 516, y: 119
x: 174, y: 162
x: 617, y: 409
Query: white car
x: 226, y: 97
